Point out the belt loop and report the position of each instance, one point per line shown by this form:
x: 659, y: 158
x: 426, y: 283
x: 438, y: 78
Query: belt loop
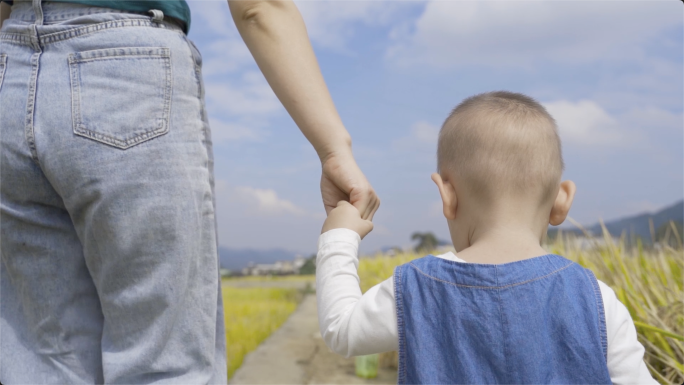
x: 38, y: 9
x: 157, y: 15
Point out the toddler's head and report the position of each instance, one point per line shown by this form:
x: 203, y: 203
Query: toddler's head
x: 501, y: 155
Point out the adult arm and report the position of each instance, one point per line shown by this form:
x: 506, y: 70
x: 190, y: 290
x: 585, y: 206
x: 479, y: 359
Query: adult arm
x: 352, y: 324
x: 275, y: 34
x: 5, y: 10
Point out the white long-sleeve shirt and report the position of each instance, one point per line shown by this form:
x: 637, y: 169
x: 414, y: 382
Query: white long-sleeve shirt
x: 354, y: 324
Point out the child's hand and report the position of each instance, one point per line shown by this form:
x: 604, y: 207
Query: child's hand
x: 346, y: 216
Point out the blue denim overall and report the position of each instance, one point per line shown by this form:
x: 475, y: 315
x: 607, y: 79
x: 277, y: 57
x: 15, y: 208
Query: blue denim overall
x: 536, y: 321
x: 109, y: 268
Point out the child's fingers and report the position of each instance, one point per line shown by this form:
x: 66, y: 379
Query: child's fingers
x: 346, y: 207
x: 364, y: 227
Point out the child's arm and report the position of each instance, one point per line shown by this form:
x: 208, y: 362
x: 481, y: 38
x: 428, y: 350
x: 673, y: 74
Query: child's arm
x: 625, y: 353
x: 351, y: 324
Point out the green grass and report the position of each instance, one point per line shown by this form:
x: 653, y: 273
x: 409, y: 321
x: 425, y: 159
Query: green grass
x: 648, y: 281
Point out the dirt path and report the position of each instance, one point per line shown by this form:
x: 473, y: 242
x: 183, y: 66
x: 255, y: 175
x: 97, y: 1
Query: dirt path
x: 296, y: 354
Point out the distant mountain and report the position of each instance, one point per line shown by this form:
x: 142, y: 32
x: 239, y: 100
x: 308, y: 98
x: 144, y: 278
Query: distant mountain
x: 637, y: 225
x: 236, y: 259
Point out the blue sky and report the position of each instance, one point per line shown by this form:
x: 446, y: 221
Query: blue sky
x: 610, y: 72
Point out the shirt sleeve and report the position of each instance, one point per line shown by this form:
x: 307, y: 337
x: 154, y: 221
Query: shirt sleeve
x: 352, y: 324
x: 625, y: 353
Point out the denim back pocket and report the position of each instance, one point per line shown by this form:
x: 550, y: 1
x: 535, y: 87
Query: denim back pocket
x: 121, y: 96
x: 3, y: 65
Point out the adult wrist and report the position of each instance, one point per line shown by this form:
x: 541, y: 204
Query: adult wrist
x: 340, y: 148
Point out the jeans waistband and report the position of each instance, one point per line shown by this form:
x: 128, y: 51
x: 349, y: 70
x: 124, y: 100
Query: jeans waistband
x: 57, y: 12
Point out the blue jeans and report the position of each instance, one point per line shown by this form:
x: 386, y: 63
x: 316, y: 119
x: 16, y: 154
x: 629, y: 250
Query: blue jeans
x: 109, y: 266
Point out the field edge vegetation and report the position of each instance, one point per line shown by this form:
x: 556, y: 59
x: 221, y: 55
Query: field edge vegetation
x: 646, y: 279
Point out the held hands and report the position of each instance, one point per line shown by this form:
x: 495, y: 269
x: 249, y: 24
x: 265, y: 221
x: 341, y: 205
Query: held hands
x: 342, y: 180
x: 346, y: 216
x: 349, y: 199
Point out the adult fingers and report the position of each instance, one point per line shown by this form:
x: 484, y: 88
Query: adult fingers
x: 369, y: 207
x: 376, y: 205
x: 373, y: 204
x: 359, y: 199
x: 364, y: 204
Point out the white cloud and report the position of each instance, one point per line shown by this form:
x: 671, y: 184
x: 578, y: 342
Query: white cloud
x: 239, y: 100
x: 519, y: 33
x: 241, y: 110
x: 653, y: 119
x: 251, y: 96
x: 227, y: 52
x: 580, y: 123
x: 267, y: 202
x: 222, y: 132
x: 213, y: 14
x: 422, y: 138
x: 331, y: 24
x: 251, y: 200
x: 586, y: 123
x: 226, y: 55
x: 253, y: 217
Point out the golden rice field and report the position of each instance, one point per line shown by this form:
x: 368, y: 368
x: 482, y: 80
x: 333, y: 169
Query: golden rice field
x: 251, y: 314
x: 647, y: 281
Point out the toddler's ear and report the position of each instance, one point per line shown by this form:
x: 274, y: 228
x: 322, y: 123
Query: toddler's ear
x: 448, y: 194
x: 561, y: 206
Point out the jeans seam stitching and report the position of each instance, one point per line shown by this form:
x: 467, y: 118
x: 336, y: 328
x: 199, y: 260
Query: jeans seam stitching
x: 491, y: 287
x: 91, y: 29
x: 503, y: 322
x: 18, y: 38
x: 120, y: 53
x: 400, y: 325
x: 206, y: 130
x: 3, y: 67
x: 29, y: 129
x: 120, y: 57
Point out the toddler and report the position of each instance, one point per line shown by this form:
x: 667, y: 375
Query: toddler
x: 500, y: 310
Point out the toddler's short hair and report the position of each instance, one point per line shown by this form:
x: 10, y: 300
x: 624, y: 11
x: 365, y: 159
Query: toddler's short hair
x: 502, y: 143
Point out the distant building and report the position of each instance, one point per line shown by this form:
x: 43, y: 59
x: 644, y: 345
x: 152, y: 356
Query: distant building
x: 299, y: 261
x: 277, y: 268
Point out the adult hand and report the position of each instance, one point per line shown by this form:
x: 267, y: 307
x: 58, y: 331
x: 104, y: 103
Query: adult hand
x: 342, y: 180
